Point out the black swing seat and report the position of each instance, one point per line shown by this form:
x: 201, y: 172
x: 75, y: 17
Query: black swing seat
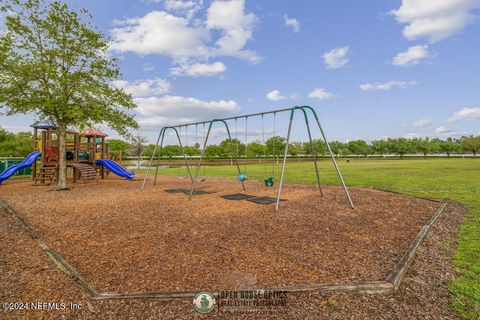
x: 264, y: 200
x: 237, y: 196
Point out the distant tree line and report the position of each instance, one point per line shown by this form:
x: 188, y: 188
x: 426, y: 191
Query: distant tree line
x: 359, y: 148
x: 20, y: 144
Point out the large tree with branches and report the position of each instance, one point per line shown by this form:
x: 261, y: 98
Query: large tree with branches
x: 55, y: 64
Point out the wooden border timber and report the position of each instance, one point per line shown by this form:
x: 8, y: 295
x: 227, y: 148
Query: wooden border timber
x: 395, y: 277
x: 59, y: 262
x: 370, y: 287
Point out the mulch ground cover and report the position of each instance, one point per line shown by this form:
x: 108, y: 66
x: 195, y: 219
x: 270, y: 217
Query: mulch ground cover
x: 122, y: 239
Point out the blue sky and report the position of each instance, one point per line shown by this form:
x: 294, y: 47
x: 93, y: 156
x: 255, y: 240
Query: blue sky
x: 371, y: 69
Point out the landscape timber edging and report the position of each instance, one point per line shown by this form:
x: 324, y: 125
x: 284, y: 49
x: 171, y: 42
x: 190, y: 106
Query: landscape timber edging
x: 370, y: 287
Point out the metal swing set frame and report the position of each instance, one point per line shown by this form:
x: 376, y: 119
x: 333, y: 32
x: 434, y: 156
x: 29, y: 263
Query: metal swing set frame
x: 306, y: 110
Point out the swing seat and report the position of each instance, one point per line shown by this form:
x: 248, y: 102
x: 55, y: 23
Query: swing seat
x: 242, y: 177
x: 268, y: 182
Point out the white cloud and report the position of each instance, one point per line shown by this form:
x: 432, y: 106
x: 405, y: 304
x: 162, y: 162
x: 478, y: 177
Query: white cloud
x: 336, y: 58
x: 236, y: 28
x: 198, y: 69
x: 293, y: 23
x: 435, y: 19
x: 144, y: 87
x: 412, y: 56
x: 320, y: 93
x: 421, y: 123
x: 275, y: 95
x: 441, y: 130
x: 157, y: 111
x: 148, y: 67
x: 160, y: 33
x: 413, y: 135
x: 187, y: 9
x: 387, y: 85
x: 465, y: 113
x: 223, y: 32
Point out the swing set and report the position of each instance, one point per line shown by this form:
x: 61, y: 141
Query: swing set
x: 242, y: 175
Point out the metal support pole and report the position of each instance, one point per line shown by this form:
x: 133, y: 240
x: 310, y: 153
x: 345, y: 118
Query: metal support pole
x: 284, y: 158
x: 151, y: 159
x: 314, y: 152
x: 158, y: 159
x: 183, y: 153
x: 197, y: 169
x: 333, y: 158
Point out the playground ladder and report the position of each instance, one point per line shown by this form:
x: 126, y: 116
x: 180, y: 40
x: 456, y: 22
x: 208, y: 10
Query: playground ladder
x: 46, y: 175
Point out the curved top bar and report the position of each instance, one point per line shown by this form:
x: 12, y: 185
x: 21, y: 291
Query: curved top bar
x: 244, y: 116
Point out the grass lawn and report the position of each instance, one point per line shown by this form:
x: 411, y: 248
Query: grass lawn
x: 456, y: 179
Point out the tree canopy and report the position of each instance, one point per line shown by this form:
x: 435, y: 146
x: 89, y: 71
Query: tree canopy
x: 15, y: 144
x: 55, y: 64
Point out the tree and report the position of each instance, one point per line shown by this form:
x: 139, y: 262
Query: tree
x: 471, y: 143
x: 213, y: 151
x: 275, y: 146
x: 379, y: 147
x: 191, y: 151
x: 4, y: 135
x: 295, y: 149
x: 317, y: 147
x: 170, y: 151
x: 358, y: 147
x: 426, y: 146
x: 54, y: 63
x: 137, y: 147
x: 400, y: 146
x: 255, y: 149
x: 231, y: 149
x: 117, y: 148
x: 23, y: 143
x: 148, y: 151
x: 450, y: 146
x: 337, y: 147
x: 15, y: 144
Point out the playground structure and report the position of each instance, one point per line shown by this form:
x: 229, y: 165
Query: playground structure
x: 82, y: 151
x: 86, y: 153
x: 307, y: 112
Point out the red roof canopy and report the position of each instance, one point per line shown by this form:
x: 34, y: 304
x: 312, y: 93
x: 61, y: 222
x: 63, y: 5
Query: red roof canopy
x: 91, y: 132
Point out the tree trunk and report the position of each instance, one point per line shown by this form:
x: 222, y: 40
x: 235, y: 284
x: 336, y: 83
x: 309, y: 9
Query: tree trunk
x: 62, y: 158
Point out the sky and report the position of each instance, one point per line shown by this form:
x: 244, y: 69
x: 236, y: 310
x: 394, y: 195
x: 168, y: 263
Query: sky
x: 371, y: 69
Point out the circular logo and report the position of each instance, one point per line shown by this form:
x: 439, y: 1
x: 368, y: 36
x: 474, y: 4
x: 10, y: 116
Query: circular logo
x: 204, y: 302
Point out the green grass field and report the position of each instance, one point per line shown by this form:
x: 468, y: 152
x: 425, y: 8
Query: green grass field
x: 456, y: 179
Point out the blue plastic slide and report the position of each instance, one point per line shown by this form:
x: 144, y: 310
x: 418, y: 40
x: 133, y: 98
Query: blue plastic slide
x: 27, y: 162
x: 116, y: 168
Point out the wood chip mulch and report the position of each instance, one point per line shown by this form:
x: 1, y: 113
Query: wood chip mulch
x: 122, y: 239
